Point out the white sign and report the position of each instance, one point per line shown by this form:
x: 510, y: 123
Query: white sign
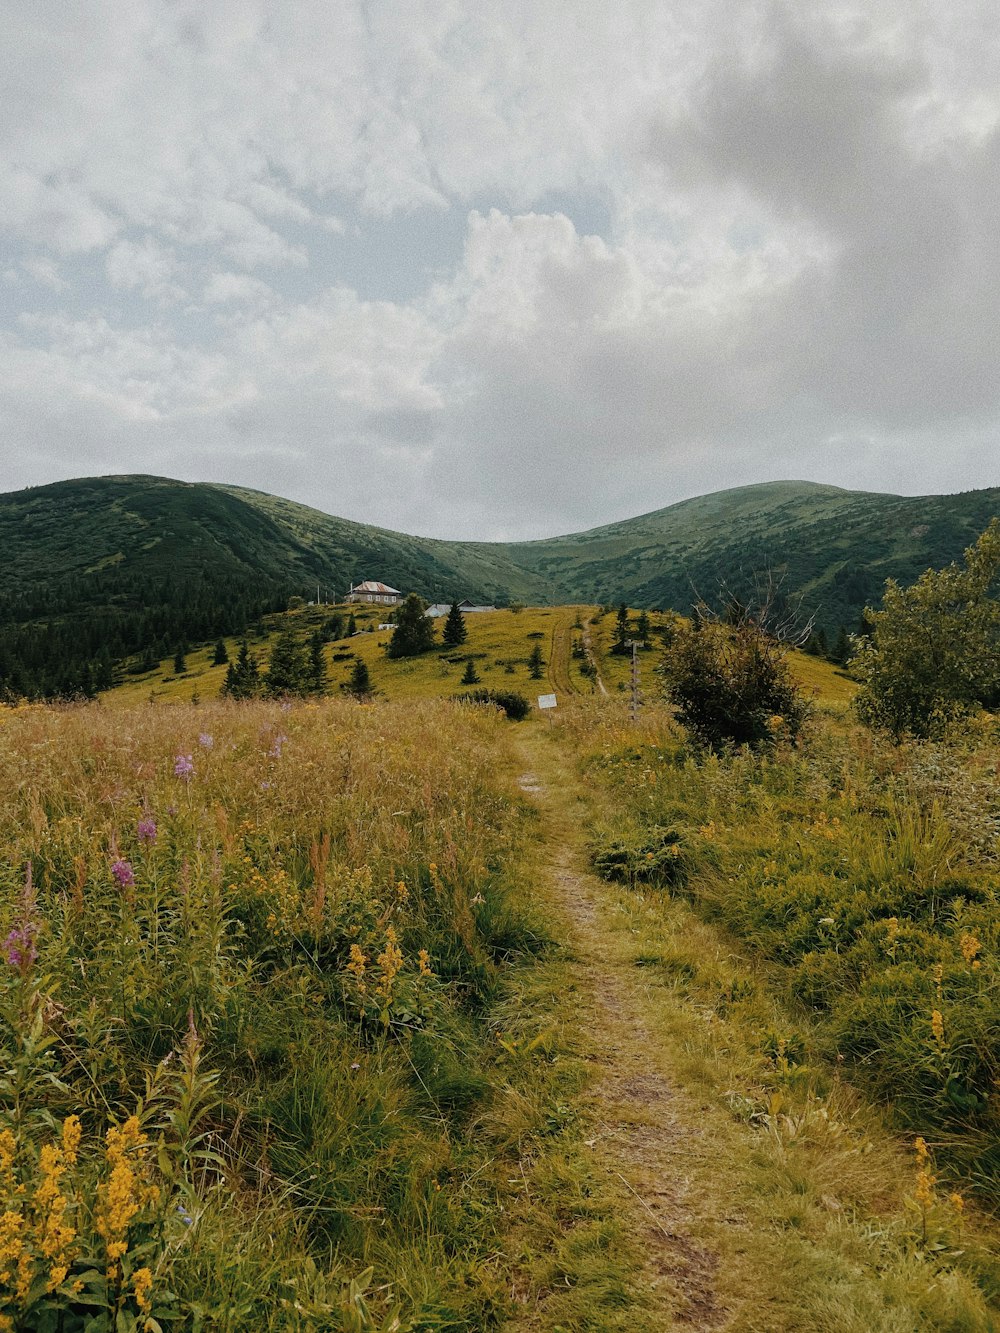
x: 546, y: 701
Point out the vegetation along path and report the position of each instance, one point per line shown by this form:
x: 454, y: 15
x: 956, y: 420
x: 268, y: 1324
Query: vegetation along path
x: 735, y: 1211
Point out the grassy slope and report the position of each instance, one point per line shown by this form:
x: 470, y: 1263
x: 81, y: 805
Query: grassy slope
x: 496, y: 639
x: 82, y: 545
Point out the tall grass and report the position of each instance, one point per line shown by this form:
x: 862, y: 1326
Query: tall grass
x: 249, y: 954
x: 865, y: 872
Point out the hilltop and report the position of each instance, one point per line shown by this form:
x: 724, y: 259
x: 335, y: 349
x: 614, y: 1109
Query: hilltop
x: 101, y: 568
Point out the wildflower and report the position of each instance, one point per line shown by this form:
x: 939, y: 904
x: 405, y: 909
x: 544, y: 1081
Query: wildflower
x: 424, y: 962
x: 402, y: 892
x: 937, y: 1026
x: 275, y: 751
x: 970, y: 946
x: 184, y: 767
x: 356, y: 965
x: 123, y: 873
x: 957, y: 1202
x: 146, y: 830
x: 142, y: 1283
x: 206, y: 742
x: 71, y: 1138
x: 707, y: 831
x: 827, y: 921
x: 19, y: 946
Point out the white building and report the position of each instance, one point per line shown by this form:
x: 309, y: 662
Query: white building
x: 370, y: 591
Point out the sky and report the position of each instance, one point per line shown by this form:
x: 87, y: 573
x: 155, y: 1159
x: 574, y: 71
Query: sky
x: 501, y: 271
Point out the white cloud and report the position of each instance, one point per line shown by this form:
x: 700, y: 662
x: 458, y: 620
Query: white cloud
x: 799, y: 257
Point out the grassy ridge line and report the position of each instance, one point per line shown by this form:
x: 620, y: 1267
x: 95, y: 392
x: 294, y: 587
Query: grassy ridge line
x: 284, y: 940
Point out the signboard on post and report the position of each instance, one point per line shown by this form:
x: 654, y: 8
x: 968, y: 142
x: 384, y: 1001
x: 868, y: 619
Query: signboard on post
x: 546, y: 701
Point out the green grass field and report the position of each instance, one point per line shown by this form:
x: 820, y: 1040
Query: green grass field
x: 499, y: 643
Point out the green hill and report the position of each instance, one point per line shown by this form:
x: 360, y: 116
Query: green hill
x: 103, y: 568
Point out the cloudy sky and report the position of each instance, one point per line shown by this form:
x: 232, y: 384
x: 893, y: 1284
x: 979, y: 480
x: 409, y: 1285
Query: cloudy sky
x: 497, y: 271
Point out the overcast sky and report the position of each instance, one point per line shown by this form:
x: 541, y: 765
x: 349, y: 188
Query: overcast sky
x: 499, y: 271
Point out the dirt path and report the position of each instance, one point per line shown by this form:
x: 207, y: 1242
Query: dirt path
x: 648, y: 1136
x: 588, y: 648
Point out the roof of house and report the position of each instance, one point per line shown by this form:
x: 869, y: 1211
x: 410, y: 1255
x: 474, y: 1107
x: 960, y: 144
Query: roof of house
x: 370, y: 585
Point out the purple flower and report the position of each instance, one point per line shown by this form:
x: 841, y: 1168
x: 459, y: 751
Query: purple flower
x: 276, y: 744
x: 19, y: 946
x: 206, y: 741
x: 123, y: 873
x: 265, y: 786
x: 146, y: 829
x: 184, y: 767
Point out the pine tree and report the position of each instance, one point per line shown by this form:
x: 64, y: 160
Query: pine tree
x: 642, y: 628
x: 842, y: 647
x: 619, y: 644
x: 220, y: 656
x: 317, y: 663
x: 414, y: 632
x: 180, y: 664
x: 243, y: 676
x: 455, y: 632
x: 471, y: 676
x: 352, y: 627
x: 360, y: 682
x: 536, y: 663
x: 287, y: 668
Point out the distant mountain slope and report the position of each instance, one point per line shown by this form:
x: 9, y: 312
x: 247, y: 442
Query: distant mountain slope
x: 834, y: 547
x: 101, y: 568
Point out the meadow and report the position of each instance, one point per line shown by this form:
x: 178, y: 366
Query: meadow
x: 251, y: 959
x: 863, y: 875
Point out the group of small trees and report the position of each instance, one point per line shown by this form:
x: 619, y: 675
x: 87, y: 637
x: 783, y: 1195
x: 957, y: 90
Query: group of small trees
x: 294, y: 667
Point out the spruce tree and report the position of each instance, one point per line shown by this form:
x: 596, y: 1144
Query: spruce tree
x: 619, y: 644
x: 287, y: 668
x: 317, y: 663
x: 471, y: 676
x: 243, y: 676
x: 360, y: 682
x: 642, y: 628
x: 352, y: 627
x: 536, y: 663
x: 220, y: 656
x: 455, y: 632
x: 414, y: 632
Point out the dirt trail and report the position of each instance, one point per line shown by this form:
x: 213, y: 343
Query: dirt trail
x: 648, y: 1132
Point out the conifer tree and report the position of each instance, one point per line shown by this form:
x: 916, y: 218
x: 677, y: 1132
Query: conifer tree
x: 352, y: 627
x: 536, y: 663
x: 360, y: 682
x: 619, y: 644
x: 180, y: 664
x: 414, y: 632
x: 243, y: 676
x: 287, y: 668
x: 220, y: 656
x: 317, y: 663
x: 455, y: 632
x: 471, y: 676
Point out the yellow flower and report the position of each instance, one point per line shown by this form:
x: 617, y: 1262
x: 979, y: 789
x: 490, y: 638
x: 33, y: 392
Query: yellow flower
x: 957, y: 1202
x: 402, y: 892
x: 937, y: 1026
x: 142, y: 1283
x: 970, y: 946
x: 424, y: 962
x: 71, y: 1138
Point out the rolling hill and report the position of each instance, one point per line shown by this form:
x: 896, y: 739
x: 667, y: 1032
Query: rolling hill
x: 101, y: 568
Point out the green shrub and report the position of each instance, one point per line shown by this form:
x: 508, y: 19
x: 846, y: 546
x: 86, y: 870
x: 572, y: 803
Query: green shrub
x: 513, y: 705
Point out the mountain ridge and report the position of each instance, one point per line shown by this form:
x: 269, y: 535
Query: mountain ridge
x: 117, y: 565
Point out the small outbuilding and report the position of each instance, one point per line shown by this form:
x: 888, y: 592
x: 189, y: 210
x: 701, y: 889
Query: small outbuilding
x: 466, y: 608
